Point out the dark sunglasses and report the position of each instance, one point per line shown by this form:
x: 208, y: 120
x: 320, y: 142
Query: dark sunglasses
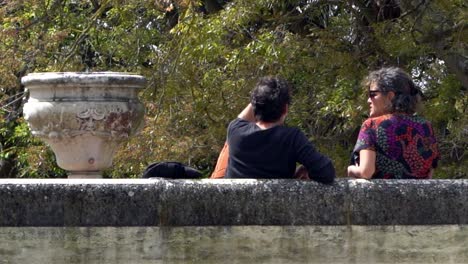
x: 373, y: 93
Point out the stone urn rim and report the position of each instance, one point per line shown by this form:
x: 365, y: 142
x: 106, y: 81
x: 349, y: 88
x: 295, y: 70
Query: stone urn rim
x: 79, y: 79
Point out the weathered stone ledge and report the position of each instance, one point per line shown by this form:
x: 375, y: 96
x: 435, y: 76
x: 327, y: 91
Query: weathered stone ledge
x: 160, y: 202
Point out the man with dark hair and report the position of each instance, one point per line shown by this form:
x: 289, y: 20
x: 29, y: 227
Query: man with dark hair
x: 260, y: 146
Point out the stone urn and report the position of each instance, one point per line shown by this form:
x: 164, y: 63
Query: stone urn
x: 84, y: 117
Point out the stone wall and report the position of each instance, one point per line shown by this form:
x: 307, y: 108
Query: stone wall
x: 159, y: 202
x: 234, y: 244
x: 232, y: 221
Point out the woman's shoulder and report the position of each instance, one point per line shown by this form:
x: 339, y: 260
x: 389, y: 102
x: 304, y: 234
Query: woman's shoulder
x: 396, y: 118
x: 373, y: 122
x: 411, y: 120
x: 417, y: 119
x: 397, y: 122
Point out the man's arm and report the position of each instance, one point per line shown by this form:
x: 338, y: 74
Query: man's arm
x: 247, y: 114
x: 319, y: 166
x: 325, y: 174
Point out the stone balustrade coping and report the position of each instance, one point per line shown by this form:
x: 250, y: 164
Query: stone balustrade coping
x: 206, y: 202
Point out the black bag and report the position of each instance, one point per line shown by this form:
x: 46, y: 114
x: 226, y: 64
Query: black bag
x: 171, y: 170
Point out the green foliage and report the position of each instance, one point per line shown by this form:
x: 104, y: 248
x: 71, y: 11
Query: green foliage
x: 202, y: 63
x: 32, y: 159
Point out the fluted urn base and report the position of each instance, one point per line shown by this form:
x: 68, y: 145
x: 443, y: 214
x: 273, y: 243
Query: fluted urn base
x: 84, y: 155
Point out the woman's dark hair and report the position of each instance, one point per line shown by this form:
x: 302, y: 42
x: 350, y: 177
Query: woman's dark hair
x: 269, y: 98
x: 393, y: 79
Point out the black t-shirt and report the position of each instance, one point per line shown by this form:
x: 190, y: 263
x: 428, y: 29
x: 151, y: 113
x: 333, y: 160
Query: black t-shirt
x: 271, y: 153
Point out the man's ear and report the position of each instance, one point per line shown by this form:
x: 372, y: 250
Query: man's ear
x: 390, y: 95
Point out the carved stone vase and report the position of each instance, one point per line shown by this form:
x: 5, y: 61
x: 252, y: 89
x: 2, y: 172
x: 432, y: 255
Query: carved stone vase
x: 84, y: 117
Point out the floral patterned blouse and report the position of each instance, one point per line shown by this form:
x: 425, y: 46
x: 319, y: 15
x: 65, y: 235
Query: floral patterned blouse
x: 405, y: 146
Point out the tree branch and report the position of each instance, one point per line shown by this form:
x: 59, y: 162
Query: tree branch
x: 82, y: 36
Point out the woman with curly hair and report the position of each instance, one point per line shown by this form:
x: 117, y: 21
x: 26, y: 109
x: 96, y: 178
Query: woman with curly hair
x: 394, y: 142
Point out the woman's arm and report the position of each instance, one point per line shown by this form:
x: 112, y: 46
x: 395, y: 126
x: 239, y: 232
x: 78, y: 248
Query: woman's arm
x: 366, y: 167
x: 247, y: 114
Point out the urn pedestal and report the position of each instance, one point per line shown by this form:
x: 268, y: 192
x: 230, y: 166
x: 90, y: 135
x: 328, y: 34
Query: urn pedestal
x: 84, y: 117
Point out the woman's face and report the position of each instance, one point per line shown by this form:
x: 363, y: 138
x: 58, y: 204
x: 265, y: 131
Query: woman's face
x: 379, y: 102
